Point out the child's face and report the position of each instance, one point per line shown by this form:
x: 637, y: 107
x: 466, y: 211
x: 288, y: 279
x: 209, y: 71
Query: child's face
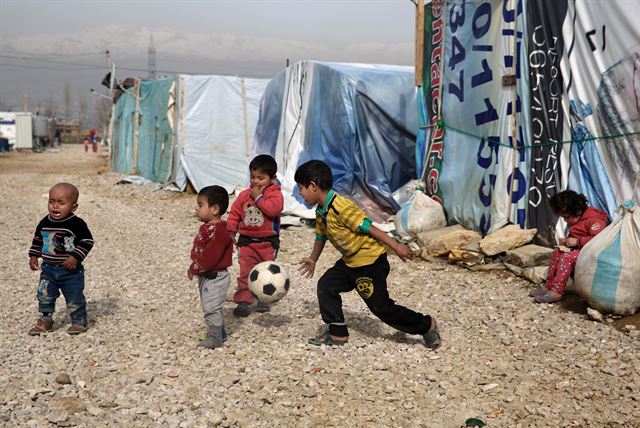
x: 61, y: 203
x: 571, y: 219
x: 310, y: 193
x: 204, y: 212
x: 260, y: 179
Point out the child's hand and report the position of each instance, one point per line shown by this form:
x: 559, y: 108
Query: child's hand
x: 562, y: 241
x: 189, y: 274
x: 256, y: 191
x: 571, y: 242
x: 307, y: 267
x: 70, y: 263
x: 404, y: 252
x: 33, y: 263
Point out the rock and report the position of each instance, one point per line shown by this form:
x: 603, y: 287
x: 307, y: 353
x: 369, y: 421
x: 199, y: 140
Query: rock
x: 142, y: 377
x: 57, y: 416
x: 489, y: 387
x: 536, y: 274
x: 595, y: 315
x: 467, y: 256
x: 69, y: 404
x: 63, y: 379
x: 529, y: 256
x: 4, y: 417
x: 441, y: 241
x: 504, y: 239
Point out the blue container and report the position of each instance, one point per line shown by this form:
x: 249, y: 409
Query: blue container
x: 4, y: 145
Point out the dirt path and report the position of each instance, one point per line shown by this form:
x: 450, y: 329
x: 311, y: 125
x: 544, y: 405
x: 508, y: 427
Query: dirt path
x: 504, y: 360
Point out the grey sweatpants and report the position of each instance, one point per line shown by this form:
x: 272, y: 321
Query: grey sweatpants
x: 212, y: 295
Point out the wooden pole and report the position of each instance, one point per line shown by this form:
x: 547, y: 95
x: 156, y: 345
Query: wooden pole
x: 419, y: 42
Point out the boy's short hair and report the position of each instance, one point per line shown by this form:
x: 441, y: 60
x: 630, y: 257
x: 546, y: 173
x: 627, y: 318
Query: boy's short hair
x: 72, y: 189
x: 264, y: 163
x: 216, y: 195
x: 316, y: 171
x: 568, y: 203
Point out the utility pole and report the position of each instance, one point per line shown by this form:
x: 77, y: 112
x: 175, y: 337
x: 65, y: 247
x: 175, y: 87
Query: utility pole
x: 152, y: 59
x: 25, y: 103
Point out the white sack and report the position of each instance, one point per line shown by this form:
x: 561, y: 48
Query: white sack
x: 419, y: 214
x: 607, y: 272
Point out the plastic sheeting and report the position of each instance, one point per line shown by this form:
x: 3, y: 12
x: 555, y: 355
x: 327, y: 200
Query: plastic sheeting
x: 217, y: 120
x: 360, y: 119
x: 155, y: 135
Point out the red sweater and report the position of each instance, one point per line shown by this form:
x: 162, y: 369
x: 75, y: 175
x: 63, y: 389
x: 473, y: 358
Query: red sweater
x: 212, y: 249
x: 259, y: 218
x: 592, y: 222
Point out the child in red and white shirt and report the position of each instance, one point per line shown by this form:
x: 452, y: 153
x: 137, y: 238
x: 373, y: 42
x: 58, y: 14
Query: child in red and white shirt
x: 584, y: 223
x: 210, y: 257
x: 255, y: 216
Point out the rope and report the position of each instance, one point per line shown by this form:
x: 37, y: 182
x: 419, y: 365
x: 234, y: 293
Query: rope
x: 442, y: 124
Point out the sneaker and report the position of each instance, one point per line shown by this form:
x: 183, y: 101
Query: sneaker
x: 77, y: 329
x: 263, y: 307
x: 42, y: 326
x: 242, y: 310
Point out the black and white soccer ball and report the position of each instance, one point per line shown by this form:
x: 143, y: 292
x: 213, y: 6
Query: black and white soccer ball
x: 268, y: 281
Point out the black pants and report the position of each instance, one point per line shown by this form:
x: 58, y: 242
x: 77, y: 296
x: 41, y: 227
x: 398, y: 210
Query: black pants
x: 371, y: 283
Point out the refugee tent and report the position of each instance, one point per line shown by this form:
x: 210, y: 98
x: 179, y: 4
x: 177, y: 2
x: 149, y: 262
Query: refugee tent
x: 361, y: 119
x: 187, y: 129
x: 216, y: 122
x: 522, y: 99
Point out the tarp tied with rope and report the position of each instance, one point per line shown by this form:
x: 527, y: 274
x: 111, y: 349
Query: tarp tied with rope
x: 524, y: 98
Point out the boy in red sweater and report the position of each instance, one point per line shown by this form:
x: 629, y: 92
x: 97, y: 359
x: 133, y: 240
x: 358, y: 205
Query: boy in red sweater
x: 584, y: 223
x: 255, y: 216
x: 210, y: 257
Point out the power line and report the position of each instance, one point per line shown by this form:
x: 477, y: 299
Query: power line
x: 43, y: 67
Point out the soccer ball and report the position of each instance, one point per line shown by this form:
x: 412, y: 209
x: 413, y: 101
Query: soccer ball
x: 268, y: 282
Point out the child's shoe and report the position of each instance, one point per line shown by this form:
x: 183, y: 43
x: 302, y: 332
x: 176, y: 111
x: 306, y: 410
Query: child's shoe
x: 432, y: 338
x: 242, y: 310
x: 77, y: 329
x: 214, y: 338
x: 326, y: 339
x: 548, y: 297
x: 42, y: 326
x: 263, y: 307
x: 535, y: 292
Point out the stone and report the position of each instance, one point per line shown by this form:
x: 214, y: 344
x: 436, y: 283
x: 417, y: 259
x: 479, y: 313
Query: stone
x: 510, y: 236
x: 440, y: 242
x: 467, y: 256
x: 595, y: 315
x: 63, y: 379
x: 57, y: 416
x: 529, y: 256
x: 69, y: 404
x: 536, y: 274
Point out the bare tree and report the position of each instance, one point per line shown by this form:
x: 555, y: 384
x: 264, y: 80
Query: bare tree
x: 67, y: 102
x: 50, y: 107
x: 82, y: 112
x: 102, y: 112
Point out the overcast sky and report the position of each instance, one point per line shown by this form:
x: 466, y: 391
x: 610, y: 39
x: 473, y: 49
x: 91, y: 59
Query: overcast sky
x: 45, y: 44
x: 332, y: 21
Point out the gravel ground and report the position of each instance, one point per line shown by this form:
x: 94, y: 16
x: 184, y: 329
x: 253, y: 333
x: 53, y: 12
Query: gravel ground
x: 504, y: 360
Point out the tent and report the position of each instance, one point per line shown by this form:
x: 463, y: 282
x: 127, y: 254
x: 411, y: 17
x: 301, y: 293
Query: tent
x: 361, y: 119
x: 216, y: 122
x: 520, y: 102
x: 193, y: 129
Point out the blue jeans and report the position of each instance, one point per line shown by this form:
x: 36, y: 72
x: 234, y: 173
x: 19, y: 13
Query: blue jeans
x: 55, y: 279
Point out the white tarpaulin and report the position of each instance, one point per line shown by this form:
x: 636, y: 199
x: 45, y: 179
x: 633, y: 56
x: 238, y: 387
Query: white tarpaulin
x: 217, y: 120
